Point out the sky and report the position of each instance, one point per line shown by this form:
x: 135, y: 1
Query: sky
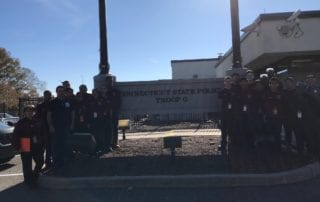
x: 59, y: 39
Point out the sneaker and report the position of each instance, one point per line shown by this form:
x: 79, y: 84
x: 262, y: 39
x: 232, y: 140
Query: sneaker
x: 108, y: 150
x: 115, y: 147
x: 99, y: 153
x: 220, y: 148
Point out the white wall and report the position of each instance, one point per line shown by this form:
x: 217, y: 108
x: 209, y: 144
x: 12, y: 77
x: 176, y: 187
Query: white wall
x: 188, y: 68
x: 274, y: 42
x: 268, y: 40
x: 176, y: 99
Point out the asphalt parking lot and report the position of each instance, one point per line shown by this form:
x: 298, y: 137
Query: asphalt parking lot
x: 12, y: 189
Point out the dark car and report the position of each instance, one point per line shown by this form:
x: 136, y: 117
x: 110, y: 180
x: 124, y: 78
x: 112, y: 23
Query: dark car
x: 7, y: 152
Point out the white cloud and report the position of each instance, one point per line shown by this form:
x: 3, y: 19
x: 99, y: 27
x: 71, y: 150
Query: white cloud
x: 69, y: 10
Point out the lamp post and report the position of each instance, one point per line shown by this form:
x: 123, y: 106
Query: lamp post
x: 235, y: 34
x: 100, y: 80
x: 104, y: 63
x: 236, y: 49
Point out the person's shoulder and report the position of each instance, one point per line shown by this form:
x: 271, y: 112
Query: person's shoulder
x: 53, y: 103
x: 21, y: 122
x: 54, y: 100
x: 224, y: 91
x: 39, y: 105
x: 116, y: 90
x: 269, y: 94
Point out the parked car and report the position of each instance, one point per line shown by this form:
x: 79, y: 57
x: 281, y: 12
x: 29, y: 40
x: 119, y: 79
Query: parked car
x: 7, y: 152
x: 8, y: 118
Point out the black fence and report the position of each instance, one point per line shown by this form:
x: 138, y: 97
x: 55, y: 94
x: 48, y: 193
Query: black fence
x: 23, y: 102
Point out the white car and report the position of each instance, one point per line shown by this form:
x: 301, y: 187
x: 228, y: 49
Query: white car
x: 7, y: 122
x: 8, y: 118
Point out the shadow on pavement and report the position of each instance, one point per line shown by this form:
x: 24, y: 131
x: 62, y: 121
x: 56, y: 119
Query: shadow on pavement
x: 144, y: 165
x: 6, y: 166
x: 247, y: 162
x: 19, y: 192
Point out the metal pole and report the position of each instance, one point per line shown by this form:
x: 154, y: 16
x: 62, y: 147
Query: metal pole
x: 235, y: 34
x: 4, y: 109
x: 104, y: 61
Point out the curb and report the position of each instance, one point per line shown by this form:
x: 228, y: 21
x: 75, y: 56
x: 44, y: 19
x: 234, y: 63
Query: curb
x: 216, y: 180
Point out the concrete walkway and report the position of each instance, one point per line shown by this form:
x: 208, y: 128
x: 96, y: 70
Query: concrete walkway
x: 181, y: 132
x: 219, y: 180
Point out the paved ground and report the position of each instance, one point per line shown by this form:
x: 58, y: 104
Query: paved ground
x: 11, y: 189
x: 11, y: 168
x: 301, y: 192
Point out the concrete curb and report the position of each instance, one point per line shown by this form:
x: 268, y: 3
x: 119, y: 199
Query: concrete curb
x: 216, y: 180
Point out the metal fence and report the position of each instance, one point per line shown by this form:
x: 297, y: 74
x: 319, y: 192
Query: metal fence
x: 23, y: 102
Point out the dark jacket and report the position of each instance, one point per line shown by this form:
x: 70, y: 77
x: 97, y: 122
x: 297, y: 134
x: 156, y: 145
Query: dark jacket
x: 274, y: 104
x: 26, y: 128
x: 113, y: 97
x: 228, y: 101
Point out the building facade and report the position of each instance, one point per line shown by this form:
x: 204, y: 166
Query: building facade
x: 285, y: 41
x: 194, y: 69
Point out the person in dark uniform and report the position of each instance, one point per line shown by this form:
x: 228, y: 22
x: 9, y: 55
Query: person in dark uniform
x: 264, y: 81
x: 235, y: 78
x: 244, y: 115
x: 113, y: 96
x: 289, y: 110
x: 270, y: 72
x: 312, y: 96
x: 226, y: 95
x: 28, y: 139
x: 82, y: 109
x: 274, y: 113
x: 311, y: 85
x: 60, y: 119
x: 295, y: 115
x: 258, y: 112
x: 99, y: 120
x: 250, y: 77
x: 313, y: 90
x: 66, y: 85
x: 41, y: 112
x: 69, y: 96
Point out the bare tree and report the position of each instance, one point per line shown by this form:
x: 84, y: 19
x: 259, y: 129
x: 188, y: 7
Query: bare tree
x: 16, y: 81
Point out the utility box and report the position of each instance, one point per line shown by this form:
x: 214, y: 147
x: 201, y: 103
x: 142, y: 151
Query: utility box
x: 172, y: 142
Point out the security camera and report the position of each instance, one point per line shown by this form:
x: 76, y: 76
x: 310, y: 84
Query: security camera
x: 250, y: 28
x: 294, y: 16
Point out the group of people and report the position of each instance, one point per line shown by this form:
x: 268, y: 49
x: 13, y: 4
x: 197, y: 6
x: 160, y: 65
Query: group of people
x: 43, y: 133
x: 255, y: 112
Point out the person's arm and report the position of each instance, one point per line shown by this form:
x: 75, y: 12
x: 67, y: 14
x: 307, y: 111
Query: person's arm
x: 73, y: 117
x: 15, y: 141
x: 50, y: 123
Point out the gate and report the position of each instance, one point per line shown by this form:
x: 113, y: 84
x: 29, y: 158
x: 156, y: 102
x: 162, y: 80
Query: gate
x: 23, y: 102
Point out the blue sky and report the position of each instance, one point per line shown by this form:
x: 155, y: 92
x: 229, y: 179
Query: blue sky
x: 59, y: 39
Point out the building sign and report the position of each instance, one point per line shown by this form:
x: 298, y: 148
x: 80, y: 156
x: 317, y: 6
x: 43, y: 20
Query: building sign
x: 170, y: 99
